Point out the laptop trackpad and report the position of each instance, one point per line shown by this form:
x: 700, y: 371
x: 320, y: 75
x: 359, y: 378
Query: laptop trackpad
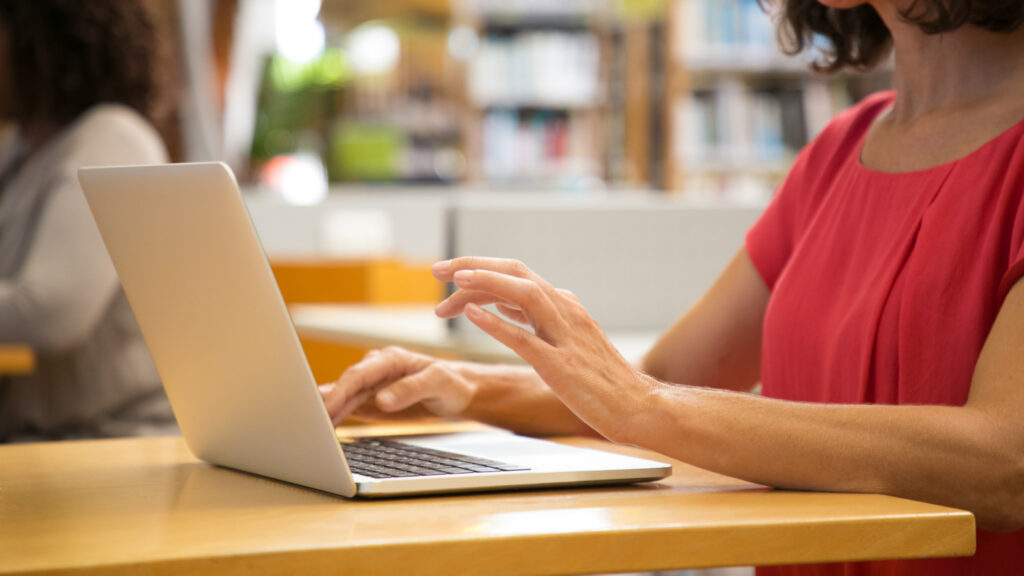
x: 538, y: 455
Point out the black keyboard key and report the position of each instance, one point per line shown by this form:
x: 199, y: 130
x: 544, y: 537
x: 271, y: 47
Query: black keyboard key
x: 379, y: 458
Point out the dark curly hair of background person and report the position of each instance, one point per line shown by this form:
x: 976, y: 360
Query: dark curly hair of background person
x: 859, y: 38
x: 69, y: 55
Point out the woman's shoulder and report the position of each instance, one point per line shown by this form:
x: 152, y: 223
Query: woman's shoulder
x: 810, y: 179
x: 843, y: 134
x: 837, y: 144
x: 113, y: 134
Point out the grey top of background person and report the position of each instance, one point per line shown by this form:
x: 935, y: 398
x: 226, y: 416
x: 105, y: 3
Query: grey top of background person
x: 59, y: 292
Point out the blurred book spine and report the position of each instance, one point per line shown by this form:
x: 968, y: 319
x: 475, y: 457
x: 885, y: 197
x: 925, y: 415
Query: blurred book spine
x: 741, y: 108
x: 535, y: 10
x: 728, y: 34
x: 536, y: 92
x: 544, y: 69
x: 535, y: 145
x: 737, y: 126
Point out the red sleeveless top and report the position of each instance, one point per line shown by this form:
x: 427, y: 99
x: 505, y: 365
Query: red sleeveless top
x: 884, y: 288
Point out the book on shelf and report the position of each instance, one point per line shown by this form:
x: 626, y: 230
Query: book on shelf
x: 534, y: 90
x: 741, y: 128
x: 544, y: 69
x: 535, y: 10
x: 535, y: 146
x: 729, y: 35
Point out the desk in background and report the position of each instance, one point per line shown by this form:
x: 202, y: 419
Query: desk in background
x: 417, y: 327
x: 146, y: 506
x: 16, y: 360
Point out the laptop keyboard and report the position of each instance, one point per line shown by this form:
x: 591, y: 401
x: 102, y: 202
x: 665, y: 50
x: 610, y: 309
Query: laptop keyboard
x: 379, y: 458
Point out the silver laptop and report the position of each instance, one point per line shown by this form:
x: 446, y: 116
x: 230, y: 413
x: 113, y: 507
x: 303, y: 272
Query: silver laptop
x: 230, y: 360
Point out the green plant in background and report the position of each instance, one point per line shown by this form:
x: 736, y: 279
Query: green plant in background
x: 365, y: 151
x: 372, y: 108
x: 330, y: 70
x: 297, y: 104
x: 641, y: 9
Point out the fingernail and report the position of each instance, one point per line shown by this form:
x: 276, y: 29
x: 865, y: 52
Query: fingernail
x: 442, y: 266
x: 464, y: 277
x: 386, y: 398
x: 445, y: 310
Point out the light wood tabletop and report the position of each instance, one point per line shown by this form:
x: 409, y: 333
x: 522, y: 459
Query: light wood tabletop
x: 145, y: 505
x: 16, y: 360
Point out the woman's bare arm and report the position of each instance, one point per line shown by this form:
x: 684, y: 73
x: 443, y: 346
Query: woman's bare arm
x: 717, y: 343
x: 969, y: 457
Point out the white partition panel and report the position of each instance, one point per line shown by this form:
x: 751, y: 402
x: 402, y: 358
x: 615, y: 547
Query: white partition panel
x: 636, y: 265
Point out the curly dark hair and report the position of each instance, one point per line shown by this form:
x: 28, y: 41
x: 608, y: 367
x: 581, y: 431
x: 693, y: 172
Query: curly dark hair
x: 859, y: 38
x: 69, y: 55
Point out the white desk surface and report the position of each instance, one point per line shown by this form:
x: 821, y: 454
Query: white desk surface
x: 417, y: 328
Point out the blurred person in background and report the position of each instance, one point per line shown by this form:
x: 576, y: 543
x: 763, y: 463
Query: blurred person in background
x: 82, y: 83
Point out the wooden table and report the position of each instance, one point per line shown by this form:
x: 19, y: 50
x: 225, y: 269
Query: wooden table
x: 146, y: 506
x: 16, y: 360
x: 417, y: 327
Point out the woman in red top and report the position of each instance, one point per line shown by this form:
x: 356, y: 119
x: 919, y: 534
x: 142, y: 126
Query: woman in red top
x: 876, y: 300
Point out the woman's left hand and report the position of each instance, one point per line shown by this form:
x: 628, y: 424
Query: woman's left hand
x: 567, y: 347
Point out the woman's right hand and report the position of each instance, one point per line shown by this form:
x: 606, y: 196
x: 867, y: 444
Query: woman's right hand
x: 396, y: 383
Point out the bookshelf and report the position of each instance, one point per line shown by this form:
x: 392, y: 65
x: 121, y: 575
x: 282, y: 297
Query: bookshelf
x: 680, y: 95
x: 738, y: 109
x: 535, y: 92
x: 373, y: 107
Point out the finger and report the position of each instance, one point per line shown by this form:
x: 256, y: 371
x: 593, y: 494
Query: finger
x: 344, y: 406
x: 351, y: 406
x: 568, y: 294
x: 326, y: 395
x: 508, y: 267
x: 341, y: 395
x: 457, y: 302
x: 446, y: 269
x: 373, y: 371
x: 326, y: 392
x: 369, y: 411
x: 513, y: 313
x: 526, y: 345
x: 527, y: 295
x: 453, y: 305
x: 437, y: 387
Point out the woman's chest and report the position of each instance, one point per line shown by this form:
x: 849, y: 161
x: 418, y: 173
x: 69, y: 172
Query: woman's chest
x: 888, y: 296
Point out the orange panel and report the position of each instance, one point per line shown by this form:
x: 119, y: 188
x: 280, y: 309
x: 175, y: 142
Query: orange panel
x: 355, y: 281
x: 321, y: 280
x: 328, y: 361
